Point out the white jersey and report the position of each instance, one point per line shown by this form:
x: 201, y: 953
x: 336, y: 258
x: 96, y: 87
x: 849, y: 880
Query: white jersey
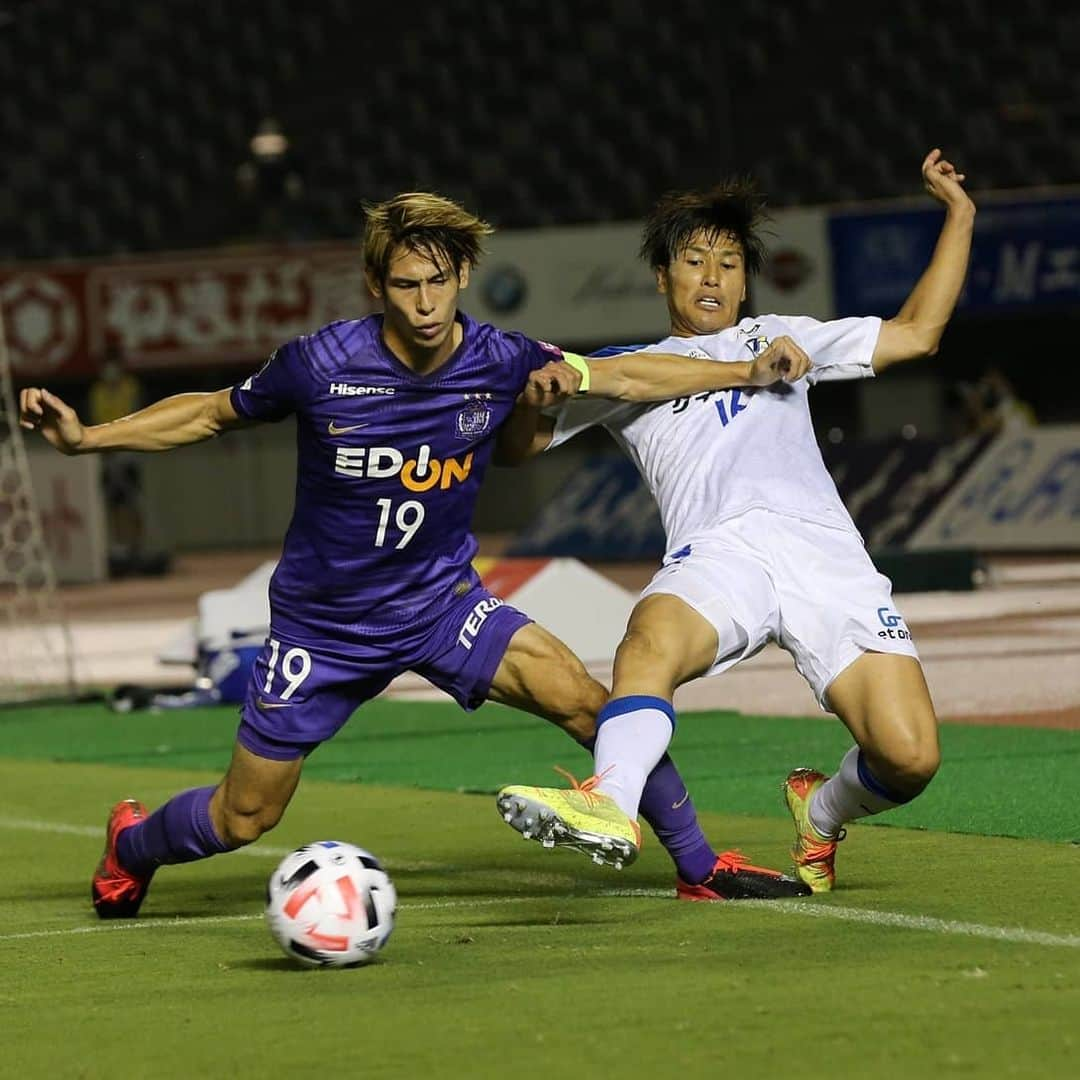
x: 712, y: 457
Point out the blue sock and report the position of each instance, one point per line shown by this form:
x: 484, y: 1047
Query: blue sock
x: 178, y: 832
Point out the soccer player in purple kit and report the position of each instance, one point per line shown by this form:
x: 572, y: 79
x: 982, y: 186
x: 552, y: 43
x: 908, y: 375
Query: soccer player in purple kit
x: 396, y: 422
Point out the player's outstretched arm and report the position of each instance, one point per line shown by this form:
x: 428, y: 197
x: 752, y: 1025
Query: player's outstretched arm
x: 641, y: 376
x: 916, y: 329
x: 173, y: 421
x: 633, y: 376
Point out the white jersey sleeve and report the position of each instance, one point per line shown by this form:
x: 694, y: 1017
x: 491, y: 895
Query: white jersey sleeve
x: 579, y: 414
x: 839, y: 349
x: 710, y: 458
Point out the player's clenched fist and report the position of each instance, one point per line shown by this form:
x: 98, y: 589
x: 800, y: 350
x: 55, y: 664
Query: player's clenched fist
x: 551, y: 384
x: 783, y: 359
x: 945, y: 182
x: 42, y: 411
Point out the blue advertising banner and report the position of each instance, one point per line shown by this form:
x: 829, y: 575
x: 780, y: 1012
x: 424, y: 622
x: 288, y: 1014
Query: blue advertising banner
x: 890, y: 486
x: 605, y: 512
x: 1023, y: 494
x: 1024, y: 254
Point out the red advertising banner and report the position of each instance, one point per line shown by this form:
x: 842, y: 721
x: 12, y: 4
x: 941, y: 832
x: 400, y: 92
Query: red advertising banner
x: 207, y: 308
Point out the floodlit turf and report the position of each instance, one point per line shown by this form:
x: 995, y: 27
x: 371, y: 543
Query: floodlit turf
x: 995, y: 780
x: 512, y: 962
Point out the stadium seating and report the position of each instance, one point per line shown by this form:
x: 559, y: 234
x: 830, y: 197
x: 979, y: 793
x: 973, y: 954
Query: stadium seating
x: 124, y: 122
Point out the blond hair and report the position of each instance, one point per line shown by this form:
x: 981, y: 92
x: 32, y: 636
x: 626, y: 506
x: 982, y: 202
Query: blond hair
x: 419, y: 221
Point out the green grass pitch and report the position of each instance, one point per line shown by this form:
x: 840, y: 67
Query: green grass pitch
x: 944, y: 952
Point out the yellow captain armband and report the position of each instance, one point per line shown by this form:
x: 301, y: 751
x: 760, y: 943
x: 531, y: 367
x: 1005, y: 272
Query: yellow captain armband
x: 581, y: 365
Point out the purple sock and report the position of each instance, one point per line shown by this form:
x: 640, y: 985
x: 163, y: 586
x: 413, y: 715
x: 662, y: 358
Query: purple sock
x: 178, y: 832
x: 666, y: 807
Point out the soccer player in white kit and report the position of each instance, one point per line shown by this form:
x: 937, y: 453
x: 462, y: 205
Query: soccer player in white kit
x: 760, y: 547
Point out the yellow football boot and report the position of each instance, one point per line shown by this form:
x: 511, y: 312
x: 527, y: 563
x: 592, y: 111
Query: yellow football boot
x: 814, y: 854
x: 578, y: 818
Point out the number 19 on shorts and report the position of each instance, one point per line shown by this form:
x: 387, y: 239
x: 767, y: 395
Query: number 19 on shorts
x: 295, y: 668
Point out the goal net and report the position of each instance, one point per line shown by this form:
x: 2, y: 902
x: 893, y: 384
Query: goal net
x: 36, y: 656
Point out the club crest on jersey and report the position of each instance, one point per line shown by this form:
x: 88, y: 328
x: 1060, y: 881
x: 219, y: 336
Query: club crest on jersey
x: 757, y: 345
x: 474, y: 419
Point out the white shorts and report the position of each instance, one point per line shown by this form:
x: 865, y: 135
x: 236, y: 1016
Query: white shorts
x: 765, y: 577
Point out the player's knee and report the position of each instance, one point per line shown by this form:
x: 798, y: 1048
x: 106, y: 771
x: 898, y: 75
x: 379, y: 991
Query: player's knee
x: 582, y: 699
x: 921, y: 767
x: 911, y: 764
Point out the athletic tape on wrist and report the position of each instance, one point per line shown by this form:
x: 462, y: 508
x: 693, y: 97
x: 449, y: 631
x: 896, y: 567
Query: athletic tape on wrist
x: 579, y: 364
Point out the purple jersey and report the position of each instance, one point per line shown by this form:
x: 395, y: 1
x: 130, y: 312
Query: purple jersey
x: 389, y: 464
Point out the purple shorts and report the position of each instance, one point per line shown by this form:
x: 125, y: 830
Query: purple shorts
x: 299, y: 697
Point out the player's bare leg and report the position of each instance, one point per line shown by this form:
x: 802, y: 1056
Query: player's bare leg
x: 666, y: 644
x: 192, y: 825
x: 541, y: 675
x: 885, y: 703
x: 252, y: 797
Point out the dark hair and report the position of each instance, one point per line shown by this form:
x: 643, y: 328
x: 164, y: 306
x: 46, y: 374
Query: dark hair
x: 430, y: 224
x: 735, y: 207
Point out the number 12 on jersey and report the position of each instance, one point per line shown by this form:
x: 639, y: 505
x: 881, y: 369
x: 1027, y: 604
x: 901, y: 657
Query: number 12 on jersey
x: 408, y: 517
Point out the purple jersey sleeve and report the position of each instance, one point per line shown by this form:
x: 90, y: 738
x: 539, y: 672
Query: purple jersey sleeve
x: 277, y: 389
x: 528, y: 354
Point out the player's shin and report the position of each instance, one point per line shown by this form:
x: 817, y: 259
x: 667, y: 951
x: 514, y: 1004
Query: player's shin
x: 632, y: 735
x: 670, y: 813
x: 180, y: 831
x: 853, y: 792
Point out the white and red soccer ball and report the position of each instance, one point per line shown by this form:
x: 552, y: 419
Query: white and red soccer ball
x: 330, y: 904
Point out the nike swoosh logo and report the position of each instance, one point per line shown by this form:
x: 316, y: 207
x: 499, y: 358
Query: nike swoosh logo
x: 264, y: 704
x: 335, y: 430
x: 676, y: 805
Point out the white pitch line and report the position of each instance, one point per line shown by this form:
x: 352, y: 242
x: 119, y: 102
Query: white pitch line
x: 210, y: 920
x: 1014, y: 934
x: 129, y: 924
x: 97, y: 831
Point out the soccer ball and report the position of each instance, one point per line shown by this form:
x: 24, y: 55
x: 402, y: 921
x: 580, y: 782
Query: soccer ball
x: 330, y: 905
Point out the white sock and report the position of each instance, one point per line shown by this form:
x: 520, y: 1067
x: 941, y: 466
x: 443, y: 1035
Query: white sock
x: 631, y: 737
x: 853, y: 793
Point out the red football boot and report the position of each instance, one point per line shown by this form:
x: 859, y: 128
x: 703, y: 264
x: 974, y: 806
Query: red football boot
x: 117, y: 893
